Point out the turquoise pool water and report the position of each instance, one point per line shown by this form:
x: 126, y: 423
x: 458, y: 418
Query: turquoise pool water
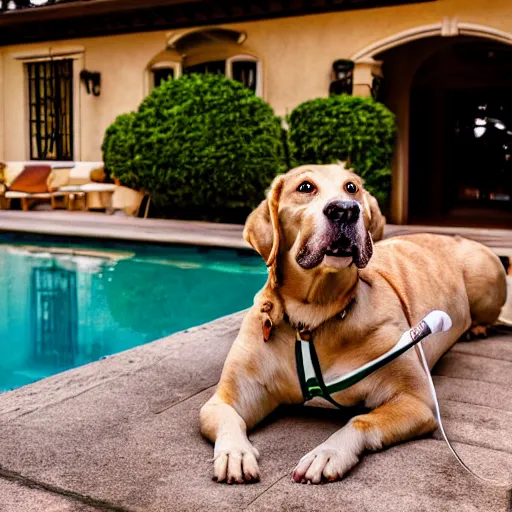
x: 65, y: 303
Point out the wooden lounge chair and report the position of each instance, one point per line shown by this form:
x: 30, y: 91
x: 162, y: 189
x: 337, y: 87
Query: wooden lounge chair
x: 26, y: 197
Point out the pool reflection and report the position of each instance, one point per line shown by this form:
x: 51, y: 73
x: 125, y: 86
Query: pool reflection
x: 62, y: 307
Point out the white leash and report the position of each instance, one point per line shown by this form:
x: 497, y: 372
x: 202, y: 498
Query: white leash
x: 488, y: 481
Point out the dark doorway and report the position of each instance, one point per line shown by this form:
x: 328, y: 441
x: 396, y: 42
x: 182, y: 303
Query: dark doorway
x: 460, y: 169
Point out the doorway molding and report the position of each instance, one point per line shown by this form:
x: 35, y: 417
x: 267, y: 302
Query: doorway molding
x: 449, y: 27
x: 364, y: 60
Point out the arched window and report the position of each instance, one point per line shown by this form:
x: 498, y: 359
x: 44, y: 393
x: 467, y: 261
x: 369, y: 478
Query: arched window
x: 246, y: 69
x: 164, y: 66
x: 219, y: 51
x: 164, y: 70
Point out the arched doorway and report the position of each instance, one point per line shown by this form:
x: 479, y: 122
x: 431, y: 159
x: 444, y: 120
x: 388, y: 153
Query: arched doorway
x: 435, y: 76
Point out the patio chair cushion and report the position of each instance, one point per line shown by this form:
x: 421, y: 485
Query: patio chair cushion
x: 59, y: 177
x: 81, y: 172
x: 98, y: 187
x: 26, y: 195
x: 98, y: 175
x: 12, y: 171
x: 33, y: 179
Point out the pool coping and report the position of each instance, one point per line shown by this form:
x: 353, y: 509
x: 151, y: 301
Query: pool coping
x: 183, y: 232
x: 99, y: 225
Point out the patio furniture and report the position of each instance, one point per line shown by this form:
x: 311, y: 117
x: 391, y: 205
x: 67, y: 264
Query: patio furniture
x: 26, y: 197
x: 97, y: 195
x: 69, y: 185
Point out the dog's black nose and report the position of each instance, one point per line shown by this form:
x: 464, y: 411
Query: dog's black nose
x: 342, y: 211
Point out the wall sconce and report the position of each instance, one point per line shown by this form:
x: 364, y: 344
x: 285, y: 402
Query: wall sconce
x: 92, y: 81
x: 342, y: 77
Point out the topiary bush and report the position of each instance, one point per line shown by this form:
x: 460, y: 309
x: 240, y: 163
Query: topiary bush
x: 118, y: 145
x: 357, y: 130
x: 203, y: 146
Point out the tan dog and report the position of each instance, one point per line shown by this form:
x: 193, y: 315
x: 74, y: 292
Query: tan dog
x: 314, y: 233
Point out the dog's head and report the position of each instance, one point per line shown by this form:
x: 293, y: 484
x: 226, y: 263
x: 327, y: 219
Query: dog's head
x: 320, y: 216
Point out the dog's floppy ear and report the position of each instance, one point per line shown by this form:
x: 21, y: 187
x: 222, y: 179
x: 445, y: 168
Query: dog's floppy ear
x: 262, y: 228
x: 377, y: 220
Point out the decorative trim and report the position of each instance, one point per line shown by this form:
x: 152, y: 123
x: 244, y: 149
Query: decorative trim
x: 173, y: 41
x: 449, y: 27
x: 48, y: 52
x: 165, y: 64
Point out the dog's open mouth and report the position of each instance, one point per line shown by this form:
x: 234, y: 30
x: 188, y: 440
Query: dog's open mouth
x: 341, y: 248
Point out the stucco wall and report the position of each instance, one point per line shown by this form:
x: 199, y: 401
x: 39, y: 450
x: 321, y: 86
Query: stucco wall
x: 296, y: 54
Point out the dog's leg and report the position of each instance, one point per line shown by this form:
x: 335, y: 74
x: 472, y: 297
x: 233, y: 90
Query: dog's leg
x: 404, y: 417
x: 235, y: 458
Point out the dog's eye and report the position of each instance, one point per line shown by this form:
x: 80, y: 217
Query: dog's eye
x: 306, y: 187
x: 350, y: 187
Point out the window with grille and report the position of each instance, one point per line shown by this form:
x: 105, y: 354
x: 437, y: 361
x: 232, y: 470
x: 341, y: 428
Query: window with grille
x: 161, y: 75
x: 214, y: 67
x: 50, y: 87
x: 242, y: 69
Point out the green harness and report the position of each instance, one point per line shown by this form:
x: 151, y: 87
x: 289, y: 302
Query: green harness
x: 310, y: 373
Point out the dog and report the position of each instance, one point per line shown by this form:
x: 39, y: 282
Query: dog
x: 314, y: 231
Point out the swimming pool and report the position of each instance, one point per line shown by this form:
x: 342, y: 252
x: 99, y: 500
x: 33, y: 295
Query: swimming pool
x: 64, y: 303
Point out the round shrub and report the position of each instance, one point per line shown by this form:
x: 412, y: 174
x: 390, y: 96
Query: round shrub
x: 203, y: 146
x: 359, y: 131
x: 118, y: 145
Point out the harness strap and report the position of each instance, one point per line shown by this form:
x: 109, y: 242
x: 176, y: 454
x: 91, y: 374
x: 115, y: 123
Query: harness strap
x: 310, y: 374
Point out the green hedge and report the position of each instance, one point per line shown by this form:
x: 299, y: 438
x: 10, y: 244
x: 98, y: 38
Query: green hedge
x: 118, y: 146
x: 357, y: 130
x: 203, y: 146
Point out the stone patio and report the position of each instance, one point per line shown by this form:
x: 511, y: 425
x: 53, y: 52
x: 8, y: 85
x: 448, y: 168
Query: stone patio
x: 122, y: 434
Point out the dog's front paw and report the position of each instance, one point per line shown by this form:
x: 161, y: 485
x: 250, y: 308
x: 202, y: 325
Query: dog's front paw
x: 235, y: 463
x: 326, y: 463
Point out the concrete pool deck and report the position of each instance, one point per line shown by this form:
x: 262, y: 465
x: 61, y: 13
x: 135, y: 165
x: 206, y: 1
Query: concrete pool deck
x: 122, y: 434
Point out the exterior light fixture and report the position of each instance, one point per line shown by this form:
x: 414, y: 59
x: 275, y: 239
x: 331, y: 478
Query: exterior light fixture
x: 342, y: 72
x: 92, y: 81
x: 38, y: 3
